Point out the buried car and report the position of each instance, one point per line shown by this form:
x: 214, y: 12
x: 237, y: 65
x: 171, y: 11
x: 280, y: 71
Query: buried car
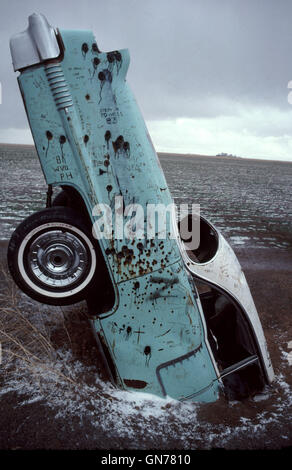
x: 169, y: 319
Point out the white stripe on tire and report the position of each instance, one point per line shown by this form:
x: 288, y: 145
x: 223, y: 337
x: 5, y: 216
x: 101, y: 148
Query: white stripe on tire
x: 38, y: 289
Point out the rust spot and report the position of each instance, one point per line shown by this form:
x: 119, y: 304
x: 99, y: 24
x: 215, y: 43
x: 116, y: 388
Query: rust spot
x: 110, y: 56
x: 147, y: 350
x: 94, y: 47
x: 118, y: 56
x: 129, y: 329
x: 107, y: 136
x: 62, y: 139
x: 101, y: 76
x: 135, y: 383
x: 140, y: 247
x: 87, y: 97
x: 49, y: 137
x: 118, y: 144
x: 84, y: 48
x: 86, y: 138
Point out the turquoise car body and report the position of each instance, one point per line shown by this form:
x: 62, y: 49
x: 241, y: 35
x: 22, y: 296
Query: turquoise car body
x: 90, y: 135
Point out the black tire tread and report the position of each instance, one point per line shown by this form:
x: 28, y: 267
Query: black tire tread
x: 51, y: 214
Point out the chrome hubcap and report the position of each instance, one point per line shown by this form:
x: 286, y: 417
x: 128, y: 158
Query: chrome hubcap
x: 58, y: 259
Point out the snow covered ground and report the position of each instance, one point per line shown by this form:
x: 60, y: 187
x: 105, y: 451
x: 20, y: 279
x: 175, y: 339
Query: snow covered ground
x: 71, y: 390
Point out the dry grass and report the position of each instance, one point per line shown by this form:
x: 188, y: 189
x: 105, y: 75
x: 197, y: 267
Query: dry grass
x: 24, y: 339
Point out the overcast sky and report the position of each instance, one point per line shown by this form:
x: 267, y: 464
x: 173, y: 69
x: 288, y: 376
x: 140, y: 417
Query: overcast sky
x: 210, y: 76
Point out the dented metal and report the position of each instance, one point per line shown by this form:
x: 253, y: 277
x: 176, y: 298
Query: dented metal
x: 223, y: 271
x: 90, y: 136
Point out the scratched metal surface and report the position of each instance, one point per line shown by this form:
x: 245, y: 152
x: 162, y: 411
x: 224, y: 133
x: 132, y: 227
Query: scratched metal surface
x: 100, y: 145
x: 113, y: 155
x: 156, y: 322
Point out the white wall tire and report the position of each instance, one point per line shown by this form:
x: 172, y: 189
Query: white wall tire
x: 52, y: 256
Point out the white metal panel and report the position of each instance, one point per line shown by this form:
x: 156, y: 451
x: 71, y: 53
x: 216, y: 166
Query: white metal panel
x: 34, y: 45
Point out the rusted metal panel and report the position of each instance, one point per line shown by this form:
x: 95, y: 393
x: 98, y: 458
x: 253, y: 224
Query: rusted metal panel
x: 90, y: 134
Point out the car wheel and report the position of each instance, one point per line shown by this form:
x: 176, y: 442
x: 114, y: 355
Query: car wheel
x: 52, y: 257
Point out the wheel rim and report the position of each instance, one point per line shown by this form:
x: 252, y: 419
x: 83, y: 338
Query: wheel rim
x: 66, y: 239
x: 58, y: 259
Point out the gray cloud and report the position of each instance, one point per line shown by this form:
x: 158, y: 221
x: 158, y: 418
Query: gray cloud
x: 189, y: 58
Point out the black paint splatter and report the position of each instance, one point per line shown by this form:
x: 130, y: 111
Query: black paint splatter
x: 62, y: 140
x: 136, y: 285
x: 140, y: 247
x: 101, y: 76
x: 118, y: 144
x: 84, y: 49
x: 95, y: 63
x: 107, y: 137
x: 95, y: 48
x: 110, y: 57
x: 104, y: 76
x: 121, y: 147
x: 128, y: 332
x: 49, y: 137
x: 119, y: 60
x: 115, y: 60
x: 147, y: 352
x: 127, y: 149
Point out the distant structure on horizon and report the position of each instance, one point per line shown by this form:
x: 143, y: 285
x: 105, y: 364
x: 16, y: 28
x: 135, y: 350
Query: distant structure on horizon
x: 223, y: 154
